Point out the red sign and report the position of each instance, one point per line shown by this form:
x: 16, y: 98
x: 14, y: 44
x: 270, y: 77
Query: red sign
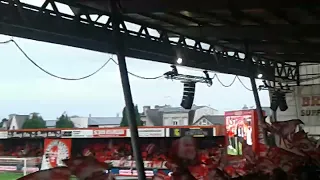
x: 243, y: 124
x: 109, y: 133
x: 56, y: 150
x: 311, y: 101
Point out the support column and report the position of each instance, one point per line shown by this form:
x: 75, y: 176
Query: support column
x: 119, y: 45
x: 261, y: 118
x: 248, y: 57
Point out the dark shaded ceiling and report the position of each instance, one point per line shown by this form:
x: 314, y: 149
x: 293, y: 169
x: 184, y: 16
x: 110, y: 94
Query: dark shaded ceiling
x: 284, y: 30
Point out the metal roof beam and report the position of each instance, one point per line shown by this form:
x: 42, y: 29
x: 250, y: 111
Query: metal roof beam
x: 254, y: 32
x: 32, y: 23
x: 140, y: 6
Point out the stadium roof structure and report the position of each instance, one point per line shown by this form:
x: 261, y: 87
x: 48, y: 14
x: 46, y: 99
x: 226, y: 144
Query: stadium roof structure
x: 275, y: 35
x: 206, y: 34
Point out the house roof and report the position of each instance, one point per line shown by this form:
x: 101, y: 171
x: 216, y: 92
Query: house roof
x: 169, y: 109
x: 155, y: 116
x: 50, y: 123
x: 214, y: 119
x: 93, y: 121
x: 20, y: 119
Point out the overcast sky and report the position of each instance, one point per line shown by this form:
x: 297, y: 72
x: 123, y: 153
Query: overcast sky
x: 25, y: 89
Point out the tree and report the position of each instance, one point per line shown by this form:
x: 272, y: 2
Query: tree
x: 64, y: 122
x: 35, y: 122
x: 124, y: 121
x: 3, y: 121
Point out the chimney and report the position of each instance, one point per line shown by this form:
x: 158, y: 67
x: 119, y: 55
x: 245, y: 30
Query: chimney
x: 118, y: 115
x: 145, y: 109
x: 89, y: 115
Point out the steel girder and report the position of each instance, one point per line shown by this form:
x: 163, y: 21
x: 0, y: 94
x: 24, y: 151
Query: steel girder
x: 38, y: 23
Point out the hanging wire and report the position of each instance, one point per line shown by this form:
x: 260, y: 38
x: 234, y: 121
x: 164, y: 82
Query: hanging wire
x: 141, y: 77
x: 70, y: 79
x: 99, y: 69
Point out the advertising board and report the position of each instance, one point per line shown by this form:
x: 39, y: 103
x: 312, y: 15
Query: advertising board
x: 149, y: 132
x: 243, y: 125
x: 77, y: 133
x: 194, y: 132
x: 109, y: 132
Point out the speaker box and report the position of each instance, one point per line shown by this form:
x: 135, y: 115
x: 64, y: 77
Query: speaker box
x: 188, y: 95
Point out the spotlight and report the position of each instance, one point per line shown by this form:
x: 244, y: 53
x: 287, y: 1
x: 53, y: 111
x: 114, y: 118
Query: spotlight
x: 179, y: 60
x: 260, y: 76
x: 188, y: 94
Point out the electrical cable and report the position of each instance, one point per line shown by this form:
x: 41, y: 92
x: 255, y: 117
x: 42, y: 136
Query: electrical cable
x: 233, y: 81
x: 244, y: 84
x: 71, y: 79
x: 137, y: 76
x: 110, y: 59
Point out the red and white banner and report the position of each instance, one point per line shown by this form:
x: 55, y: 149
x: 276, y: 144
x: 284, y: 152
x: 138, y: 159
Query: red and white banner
x: 134, y: 173
x: 107, y: 132
x: 149, y: 132
x: 55, y: 150
x: 243, y: 124
x: 132, y: 164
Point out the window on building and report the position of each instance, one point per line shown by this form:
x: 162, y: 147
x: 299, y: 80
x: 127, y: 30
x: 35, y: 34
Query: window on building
x: 175, y: 123
x: 204, y: 123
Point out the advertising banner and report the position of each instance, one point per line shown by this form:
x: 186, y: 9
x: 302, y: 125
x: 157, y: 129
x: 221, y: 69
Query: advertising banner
x: 107, y: 132
x: 55, y: 150
x: 308, y: 104
x: 3, y: 134
x: 194, y: 132
x: 132, y: 164
x: 303, y: 103
x: 243, y: 125
x: 149, y: 132
x: 35, y: 134
x: 88, y: 133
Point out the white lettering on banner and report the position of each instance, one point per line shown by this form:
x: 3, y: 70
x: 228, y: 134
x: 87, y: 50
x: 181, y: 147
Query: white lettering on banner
x: 132, y: 164
x: 82, y: 133
x: 149, y: 132
x: 109, y: 132
x: 134, y: 173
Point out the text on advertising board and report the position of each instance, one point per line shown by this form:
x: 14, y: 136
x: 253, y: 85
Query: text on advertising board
x: 194, y: 132
x: 76, y: 133
x: 149, y: 132
x: 109, y: 133
x: 310, y: 106
x: 34, y: 134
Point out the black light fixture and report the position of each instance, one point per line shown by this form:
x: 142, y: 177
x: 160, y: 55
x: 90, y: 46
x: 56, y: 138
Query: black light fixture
x: 283, y: 106
x: 278, y: 99
x: 274, y: 101
x: 188, y: 94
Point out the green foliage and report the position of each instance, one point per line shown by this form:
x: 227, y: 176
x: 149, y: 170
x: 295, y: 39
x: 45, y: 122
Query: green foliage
x: 3, y: 120
x: 64, y: 122
x: 124, y: 121
x: 36, y: 122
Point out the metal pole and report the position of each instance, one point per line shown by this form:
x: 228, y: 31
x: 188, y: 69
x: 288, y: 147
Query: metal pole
x: 254, y: 85
x: 119, y: 44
